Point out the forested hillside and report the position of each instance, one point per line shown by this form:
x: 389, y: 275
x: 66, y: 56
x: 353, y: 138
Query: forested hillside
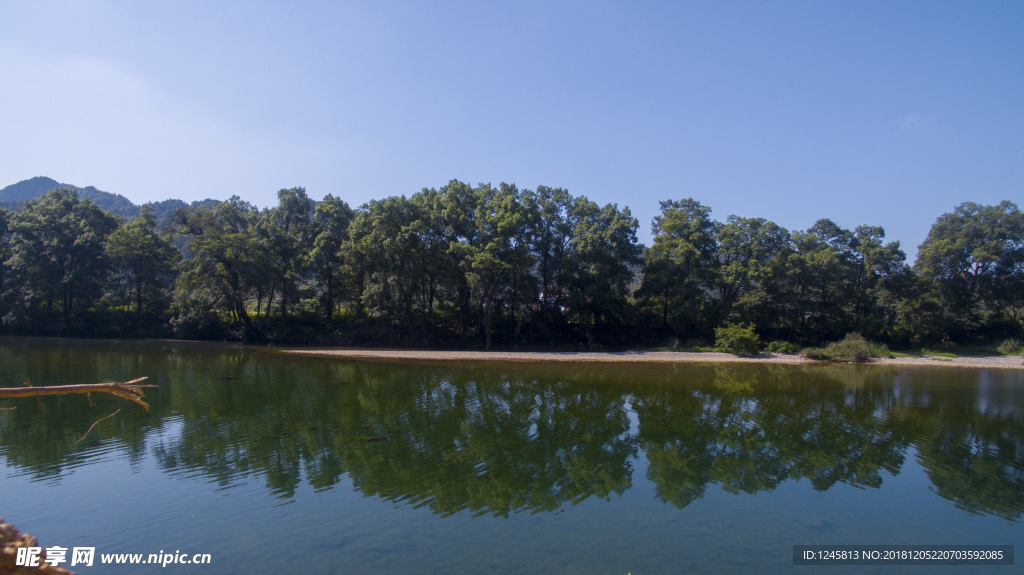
x: 14, y: 196
x: 483, y: 266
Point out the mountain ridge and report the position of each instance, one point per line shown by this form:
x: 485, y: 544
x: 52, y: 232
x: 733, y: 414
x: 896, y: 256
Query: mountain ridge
x: 15, y: 195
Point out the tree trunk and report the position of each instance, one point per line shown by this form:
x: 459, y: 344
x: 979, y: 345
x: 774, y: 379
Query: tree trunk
x: 69, y: 298
x: 664, y: 309
x: 138, y: 300
x: 329, y: 311
x: 284, y: 297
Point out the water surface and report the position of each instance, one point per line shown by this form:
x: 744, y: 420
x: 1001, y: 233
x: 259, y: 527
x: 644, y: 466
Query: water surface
x: 275, y: 463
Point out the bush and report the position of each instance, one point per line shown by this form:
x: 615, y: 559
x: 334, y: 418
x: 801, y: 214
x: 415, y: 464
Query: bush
x: 852, y: 348
x: 738, y: 339
x: 1011, y: 346
x: 782, y: 347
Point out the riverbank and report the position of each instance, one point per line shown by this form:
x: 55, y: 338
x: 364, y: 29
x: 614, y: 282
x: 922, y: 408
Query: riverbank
x: 996, y: 361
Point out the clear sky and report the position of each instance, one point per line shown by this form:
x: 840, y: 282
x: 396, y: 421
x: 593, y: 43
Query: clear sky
x: 884, y: 113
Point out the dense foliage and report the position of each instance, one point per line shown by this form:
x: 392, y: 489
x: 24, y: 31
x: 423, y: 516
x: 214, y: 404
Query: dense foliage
x: 487, y: 266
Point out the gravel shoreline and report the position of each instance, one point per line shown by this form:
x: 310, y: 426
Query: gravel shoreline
x: 998, y: 361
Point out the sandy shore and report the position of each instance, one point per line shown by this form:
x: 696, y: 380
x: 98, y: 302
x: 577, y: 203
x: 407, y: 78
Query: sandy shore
x: 999, y: 361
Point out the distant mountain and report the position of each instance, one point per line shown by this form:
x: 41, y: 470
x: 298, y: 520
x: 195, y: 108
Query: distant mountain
x: 28, y: 189
x: 15, y: 195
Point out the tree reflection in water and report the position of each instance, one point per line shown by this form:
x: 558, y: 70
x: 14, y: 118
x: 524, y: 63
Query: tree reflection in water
x: 499, y: 440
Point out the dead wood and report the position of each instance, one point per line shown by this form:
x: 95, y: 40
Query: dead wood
x: 129, y: 390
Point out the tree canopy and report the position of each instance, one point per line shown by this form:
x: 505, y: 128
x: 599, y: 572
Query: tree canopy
x: 484, y: 265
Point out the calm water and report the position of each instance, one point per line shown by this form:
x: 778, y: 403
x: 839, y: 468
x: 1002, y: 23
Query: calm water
x: 276, y: 464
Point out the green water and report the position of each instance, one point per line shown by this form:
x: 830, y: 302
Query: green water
x: 278, y: 464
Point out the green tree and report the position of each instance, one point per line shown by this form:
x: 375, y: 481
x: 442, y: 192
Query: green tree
x: 500, y: 261
x: 385, y: 240
x: 57, y: 256
x: 826, y: 285
x: 224, y: 263
x: 452, y: 228
x: 604, y: 258
x: 552, y: 245
x: 448, y: 225
x: 285, y: 232
x: 883, y: 282
x: 142, y: 269
x: 331, y: 220
x: 975, y: 256
x: 680, y: 263
x: 747, y: 284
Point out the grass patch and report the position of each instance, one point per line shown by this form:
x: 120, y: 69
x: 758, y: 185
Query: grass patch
x: 939, y: 354
x: 963, y: 350
x: 851, y: 349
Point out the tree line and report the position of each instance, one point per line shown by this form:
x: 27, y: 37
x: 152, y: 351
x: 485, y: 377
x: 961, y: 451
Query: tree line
x: 484, y: 266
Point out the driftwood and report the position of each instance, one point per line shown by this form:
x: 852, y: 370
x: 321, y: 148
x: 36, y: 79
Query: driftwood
x: 129, y: 390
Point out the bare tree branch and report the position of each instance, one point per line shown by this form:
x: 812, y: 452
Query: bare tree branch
x: 129, y: 390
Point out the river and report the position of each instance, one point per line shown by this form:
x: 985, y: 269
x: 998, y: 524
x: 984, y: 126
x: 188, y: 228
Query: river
x: 273, y: 463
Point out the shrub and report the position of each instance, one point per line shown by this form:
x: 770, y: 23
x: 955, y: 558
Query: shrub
x: 738, y: 339
x: 783, y: 347
x: 1011, y: 346
x: 852, y: 348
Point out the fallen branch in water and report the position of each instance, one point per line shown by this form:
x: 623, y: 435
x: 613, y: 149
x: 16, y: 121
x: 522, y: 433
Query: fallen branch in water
x: 129, y: 390
x: 94, y: 425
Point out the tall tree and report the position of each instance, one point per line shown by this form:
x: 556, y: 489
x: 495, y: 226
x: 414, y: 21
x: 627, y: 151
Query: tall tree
x: 455, y: 212
x: 552, y: 243
x: 605, y: 255
x: 330, y: 231
x: 385, y: 239
x: 57, y: 254
x: 286, y: 233
x: 751, y: 254
x: 880, y: 283
x: 975, y: 256
x: 224, y: 263
x: 679, y: 264
x: 500, y: 261
x: 143, y: 265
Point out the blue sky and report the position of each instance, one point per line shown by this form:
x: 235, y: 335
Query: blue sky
x: 883, y: 113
